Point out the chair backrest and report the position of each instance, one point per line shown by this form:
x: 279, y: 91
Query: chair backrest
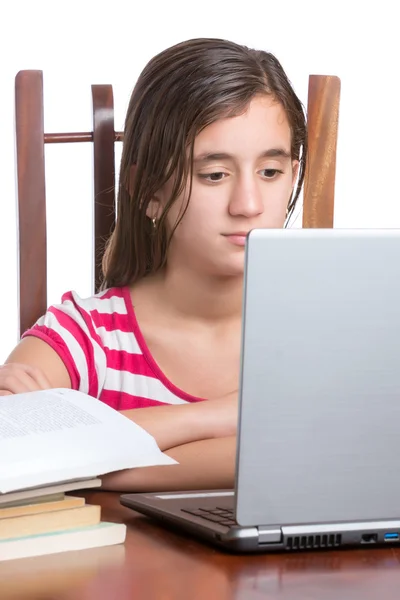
x: 318, y: 196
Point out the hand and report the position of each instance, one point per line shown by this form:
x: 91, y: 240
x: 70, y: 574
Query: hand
x: 17, y: 379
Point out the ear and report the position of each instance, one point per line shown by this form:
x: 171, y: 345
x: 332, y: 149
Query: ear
x: 295, y: 171
x: 153, y: 208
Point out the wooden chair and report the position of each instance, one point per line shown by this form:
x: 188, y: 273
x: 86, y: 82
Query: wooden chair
x: 323, y: 108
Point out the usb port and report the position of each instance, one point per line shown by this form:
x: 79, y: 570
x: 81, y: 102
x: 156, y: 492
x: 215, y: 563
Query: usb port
x: 369, y: 538
x: 391, y: 537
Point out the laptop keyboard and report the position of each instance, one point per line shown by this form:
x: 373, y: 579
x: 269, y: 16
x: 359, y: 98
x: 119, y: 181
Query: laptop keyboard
x: 220, y: 515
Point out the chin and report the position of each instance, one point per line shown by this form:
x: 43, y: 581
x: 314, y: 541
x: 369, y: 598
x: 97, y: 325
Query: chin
x: 232, y: 268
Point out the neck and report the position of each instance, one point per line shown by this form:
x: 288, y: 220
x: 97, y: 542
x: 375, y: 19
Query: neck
x: 201, y: 297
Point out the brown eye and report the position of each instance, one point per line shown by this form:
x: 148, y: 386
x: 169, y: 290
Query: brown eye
x: 218, y: 176
x: 270, y: 173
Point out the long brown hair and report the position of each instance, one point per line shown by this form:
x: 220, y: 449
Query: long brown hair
x: 181, y: 91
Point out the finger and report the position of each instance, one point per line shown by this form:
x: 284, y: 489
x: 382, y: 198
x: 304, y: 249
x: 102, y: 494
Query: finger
x: 5, y: 393
x: 36, y: 375
x: 18, y: 382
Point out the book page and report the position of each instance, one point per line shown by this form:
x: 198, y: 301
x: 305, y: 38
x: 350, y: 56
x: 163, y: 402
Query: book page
x: 21, y: 416
x: 61, y: 435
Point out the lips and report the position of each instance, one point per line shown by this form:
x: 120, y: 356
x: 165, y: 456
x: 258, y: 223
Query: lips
x: 237, y: 233
x: 238, y: 238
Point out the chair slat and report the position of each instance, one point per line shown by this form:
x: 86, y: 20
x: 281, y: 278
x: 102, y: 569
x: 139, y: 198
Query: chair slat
x: 104, y: 172
x: 31, y: 197
x: 319, y: 182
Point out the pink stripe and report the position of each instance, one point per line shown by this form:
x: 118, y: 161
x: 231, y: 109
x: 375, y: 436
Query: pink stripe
x: 84, y: 342
x: 112, y: 321
x: 114, y: 292
x: 124, y: 361
x: 124, y: 401
x: 53, y: 339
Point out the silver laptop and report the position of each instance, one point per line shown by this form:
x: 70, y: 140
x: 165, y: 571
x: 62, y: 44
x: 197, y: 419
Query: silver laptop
x: 318, y: 450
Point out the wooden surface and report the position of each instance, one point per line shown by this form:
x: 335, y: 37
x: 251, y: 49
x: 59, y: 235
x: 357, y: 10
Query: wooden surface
x: 29, y: 132
x: 157, y: 564
x: 319, y: 181
x: 103, y: 172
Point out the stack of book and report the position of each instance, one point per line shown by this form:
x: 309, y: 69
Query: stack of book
x: 53, y: 443
x: 53, y: 522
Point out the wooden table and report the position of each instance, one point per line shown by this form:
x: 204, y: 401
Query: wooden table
x: 158, y: 564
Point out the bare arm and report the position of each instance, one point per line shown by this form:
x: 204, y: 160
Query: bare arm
x: 34, y: 365
x: 205, y: 464
x: 45, y: 368
x: 173, y: 426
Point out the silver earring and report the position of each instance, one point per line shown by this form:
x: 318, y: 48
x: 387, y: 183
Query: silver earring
x: 154, y: 221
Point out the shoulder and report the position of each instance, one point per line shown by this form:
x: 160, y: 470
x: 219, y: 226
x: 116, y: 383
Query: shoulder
x: 82, y: 330
x: 76, y: 316
x: 102, y: 315
x: 106, y: 302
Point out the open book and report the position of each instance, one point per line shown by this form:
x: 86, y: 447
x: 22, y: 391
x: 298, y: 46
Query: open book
x: 57, y: 436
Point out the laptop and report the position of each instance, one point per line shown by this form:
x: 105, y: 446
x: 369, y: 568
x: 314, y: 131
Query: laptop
x: 318, y: 444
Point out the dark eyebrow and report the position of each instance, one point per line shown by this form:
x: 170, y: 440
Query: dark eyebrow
x: 271, y: 153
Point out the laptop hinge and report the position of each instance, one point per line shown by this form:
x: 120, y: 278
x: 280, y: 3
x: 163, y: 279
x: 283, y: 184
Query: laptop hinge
x: 269, y: 535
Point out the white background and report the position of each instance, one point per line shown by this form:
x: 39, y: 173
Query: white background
x: 80, y: 43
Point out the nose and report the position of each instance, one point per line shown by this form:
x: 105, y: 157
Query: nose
x: 246, y: 199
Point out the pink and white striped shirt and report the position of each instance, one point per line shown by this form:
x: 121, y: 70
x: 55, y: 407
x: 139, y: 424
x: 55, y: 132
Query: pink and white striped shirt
x: 100, y: 342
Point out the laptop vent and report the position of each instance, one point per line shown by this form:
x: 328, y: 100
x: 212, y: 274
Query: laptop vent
x: 313, y: 541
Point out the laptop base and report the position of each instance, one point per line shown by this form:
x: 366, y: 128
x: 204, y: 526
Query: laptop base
x: 181, y: 512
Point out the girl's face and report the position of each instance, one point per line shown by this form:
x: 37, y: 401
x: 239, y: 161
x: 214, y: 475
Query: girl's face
x: 243, y: 176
